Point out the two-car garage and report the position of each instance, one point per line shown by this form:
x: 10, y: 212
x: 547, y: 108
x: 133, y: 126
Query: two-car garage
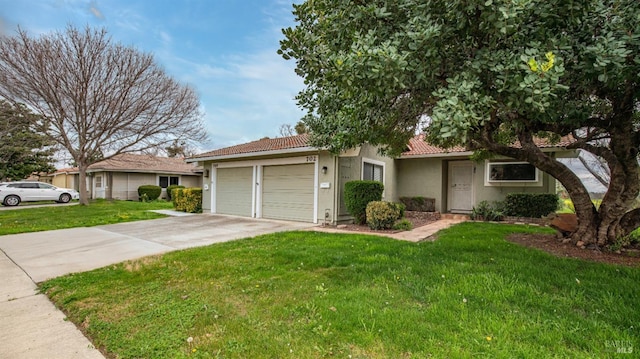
x: 275, y: 191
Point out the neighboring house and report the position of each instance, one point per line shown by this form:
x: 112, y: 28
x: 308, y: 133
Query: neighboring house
x: 65, y: 178
x: 119, y: 177
x: 286, y: 178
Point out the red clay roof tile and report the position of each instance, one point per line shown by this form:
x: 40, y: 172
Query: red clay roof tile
x: 417, y: 146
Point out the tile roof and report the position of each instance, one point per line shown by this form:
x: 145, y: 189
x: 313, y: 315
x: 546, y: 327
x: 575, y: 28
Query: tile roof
x: 417, y: 146
x: 129, y: 162
x: 263, y: 145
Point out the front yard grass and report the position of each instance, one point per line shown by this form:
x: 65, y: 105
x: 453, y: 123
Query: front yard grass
x: 96, y: 213
x: 317, y: 295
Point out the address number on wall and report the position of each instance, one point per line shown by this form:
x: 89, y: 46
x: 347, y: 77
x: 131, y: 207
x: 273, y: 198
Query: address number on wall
x: 311, y: 158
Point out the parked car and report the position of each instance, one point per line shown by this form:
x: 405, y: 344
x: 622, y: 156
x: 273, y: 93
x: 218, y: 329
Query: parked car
x: 12, y: 193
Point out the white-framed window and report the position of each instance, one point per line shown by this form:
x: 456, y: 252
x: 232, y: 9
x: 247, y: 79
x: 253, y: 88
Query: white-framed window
x: 511, y: 172
x: 98, y: 181
x: 372, y: 170
x: 166, y: 181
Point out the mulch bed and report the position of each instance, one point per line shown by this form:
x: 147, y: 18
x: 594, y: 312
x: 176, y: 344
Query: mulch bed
x: 417, y: 219
x: 551, y: 244
x: 546, y: 242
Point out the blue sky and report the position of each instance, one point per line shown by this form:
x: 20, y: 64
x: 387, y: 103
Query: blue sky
x: 225, y: 49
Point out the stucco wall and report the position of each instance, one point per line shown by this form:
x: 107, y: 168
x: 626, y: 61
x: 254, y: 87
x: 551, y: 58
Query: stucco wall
x: 421, y: 177
x: 390, y: 180
x: 191, y: 181
x: 64, y: 180
x: 428, y: 177
x: 327, y: 196
x: 206, y: 186
x: 125, y: 185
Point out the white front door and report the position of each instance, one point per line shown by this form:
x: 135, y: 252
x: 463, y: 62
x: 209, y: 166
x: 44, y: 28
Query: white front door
x: 460, y: 186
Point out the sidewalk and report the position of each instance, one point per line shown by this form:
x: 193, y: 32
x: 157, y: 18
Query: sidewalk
x: 31, y: 326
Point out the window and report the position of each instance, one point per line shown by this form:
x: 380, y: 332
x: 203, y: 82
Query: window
x: 372, y: 172
x: 166, y: 181
x: 511, y: 172
x: 98, y: 181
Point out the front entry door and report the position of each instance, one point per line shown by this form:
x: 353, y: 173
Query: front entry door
x: 460, y: 186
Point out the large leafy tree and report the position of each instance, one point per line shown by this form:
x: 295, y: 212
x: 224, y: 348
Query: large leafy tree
x: 492, y: 75
x: 100, y: 98
x: 23, y: 149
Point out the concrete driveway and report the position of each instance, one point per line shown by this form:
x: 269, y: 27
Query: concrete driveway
x: 31, y: 327
x: 45, y: 255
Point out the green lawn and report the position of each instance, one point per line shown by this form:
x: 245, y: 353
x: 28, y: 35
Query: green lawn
x: 319, y: 295
x: 97, y: 213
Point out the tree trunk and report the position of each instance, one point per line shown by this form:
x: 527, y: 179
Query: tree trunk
x: 597, y: 227
x: 82, y: 186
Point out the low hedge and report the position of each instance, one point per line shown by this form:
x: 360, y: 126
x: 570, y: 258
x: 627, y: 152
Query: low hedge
x: 534, y: 205
x: 149, y: 192
x: 357, y: 194
x: 171, y: 188
x: 187, y: 199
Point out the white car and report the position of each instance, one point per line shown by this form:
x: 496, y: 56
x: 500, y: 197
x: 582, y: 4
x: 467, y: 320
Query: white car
x: 12, y: 193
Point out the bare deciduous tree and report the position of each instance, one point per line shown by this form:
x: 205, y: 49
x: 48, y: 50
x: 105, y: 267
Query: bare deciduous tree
x: 97, y: 96
x: 596, y: 166
x: 286, y: 129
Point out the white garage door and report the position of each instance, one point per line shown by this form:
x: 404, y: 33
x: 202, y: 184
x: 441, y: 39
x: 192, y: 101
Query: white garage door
x: 234, y: 191
x: 287, y: 192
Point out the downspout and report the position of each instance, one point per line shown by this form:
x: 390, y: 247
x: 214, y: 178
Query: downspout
x: 336, y: 177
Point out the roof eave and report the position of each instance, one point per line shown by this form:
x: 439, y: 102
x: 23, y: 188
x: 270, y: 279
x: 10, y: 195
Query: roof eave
x: 436, y: 155
x: 253, y: 154
x: 93, y: 170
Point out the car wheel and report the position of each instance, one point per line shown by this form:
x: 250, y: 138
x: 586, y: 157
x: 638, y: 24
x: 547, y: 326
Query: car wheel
x: 11, y: 200
x: 65, y: 198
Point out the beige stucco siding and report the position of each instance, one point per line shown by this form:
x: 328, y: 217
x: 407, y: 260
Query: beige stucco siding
x: 191, y: 181
x: 64, y: 180
x: 421, y: 177
x: 327, y: 197
x: 370, y: 153
x: 428, y: 177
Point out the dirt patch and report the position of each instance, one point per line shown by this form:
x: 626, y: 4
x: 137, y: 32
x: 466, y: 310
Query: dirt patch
x: 417, y: 219
x: 551, y: 244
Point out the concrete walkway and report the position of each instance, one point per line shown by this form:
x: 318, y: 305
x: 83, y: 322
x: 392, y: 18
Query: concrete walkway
x: 414, y: 235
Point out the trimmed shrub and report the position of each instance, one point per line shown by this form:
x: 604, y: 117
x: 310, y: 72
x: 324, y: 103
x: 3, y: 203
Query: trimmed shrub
x: 486, y: 211
x: 357, y: 194
x: 403, y: 225
x: 534, y: 205
x: 382, y: 215
x: 187, y: 199
x: 149, y: 192
x: 171, y: 188
x: 419, y: 204
x: 401, y: 208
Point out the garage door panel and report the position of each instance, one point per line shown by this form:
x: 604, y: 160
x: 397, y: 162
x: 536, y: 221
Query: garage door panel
x: 234, y: 191
x: 288, y: 192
